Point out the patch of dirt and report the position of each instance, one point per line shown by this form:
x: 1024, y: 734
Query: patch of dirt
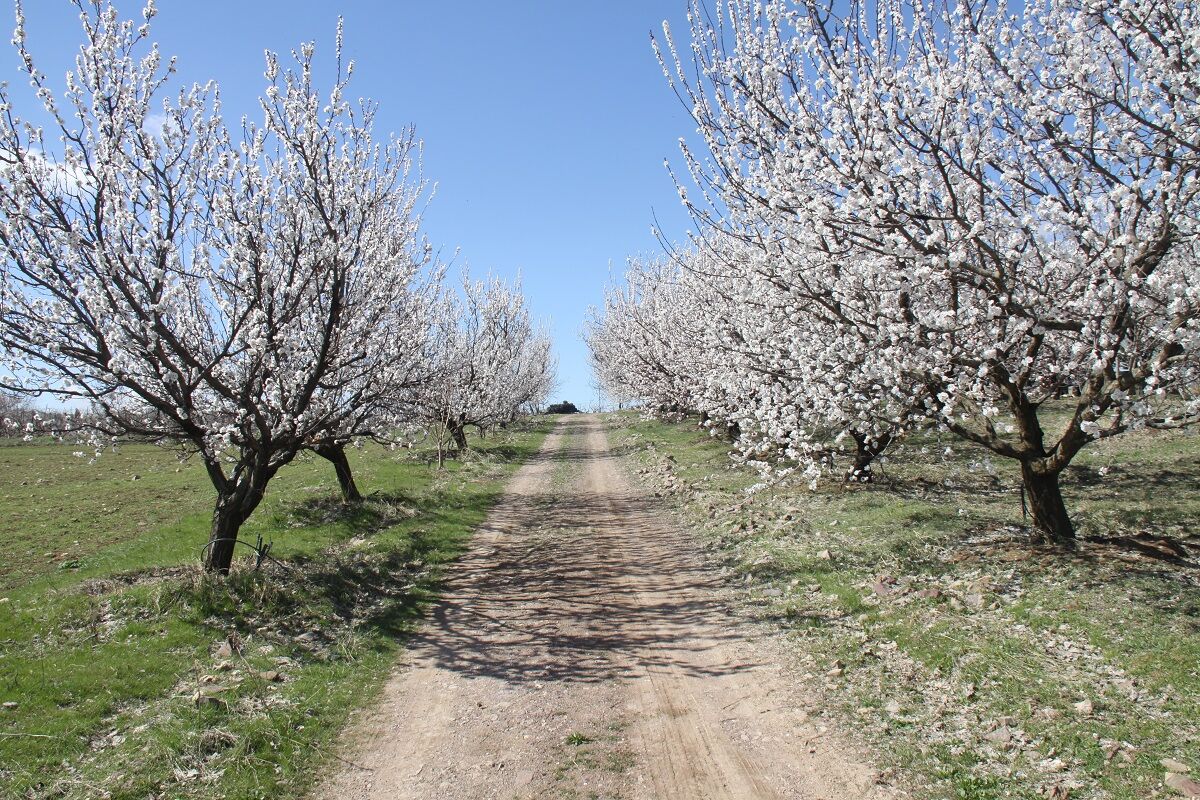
x: 584, y: 650
x: 98, y: 587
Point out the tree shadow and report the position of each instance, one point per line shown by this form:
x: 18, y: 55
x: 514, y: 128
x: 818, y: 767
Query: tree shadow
x: 375, y: 512
x: 587, y: 589
x: 581, y: 586
x: 319, y: 601
x: 1158, y: 547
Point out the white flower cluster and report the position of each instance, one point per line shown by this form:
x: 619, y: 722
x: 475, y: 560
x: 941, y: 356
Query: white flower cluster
x: 246, y: 294
x: 947, y: 214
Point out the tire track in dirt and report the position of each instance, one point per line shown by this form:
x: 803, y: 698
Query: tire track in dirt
x: 582, y: 651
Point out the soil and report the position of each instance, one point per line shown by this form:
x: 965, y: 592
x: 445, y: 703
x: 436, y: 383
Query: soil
x: 584, y: 650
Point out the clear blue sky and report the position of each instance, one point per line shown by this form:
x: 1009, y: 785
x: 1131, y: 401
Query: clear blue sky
x: 545, y: 123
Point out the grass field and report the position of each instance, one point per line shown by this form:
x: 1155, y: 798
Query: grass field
x: 975, y: 664
x: 125, y: 672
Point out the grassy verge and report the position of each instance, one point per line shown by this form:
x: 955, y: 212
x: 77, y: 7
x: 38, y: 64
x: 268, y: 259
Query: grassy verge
x: 975, y: 664
x: 125, y: 672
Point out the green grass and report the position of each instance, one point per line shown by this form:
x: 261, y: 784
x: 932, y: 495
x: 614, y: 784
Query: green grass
x: 927, y: 619
x: 592, y: 765
x: 111, y: 647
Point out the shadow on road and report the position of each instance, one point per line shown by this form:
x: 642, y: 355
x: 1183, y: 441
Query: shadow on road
x: 588, y: 585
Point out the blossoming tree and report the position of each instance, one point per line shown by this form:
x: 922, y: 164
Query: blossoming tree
x: 717, y: 330
x: 231, y: 295
x: 998, y: 208
x: 492, y: 363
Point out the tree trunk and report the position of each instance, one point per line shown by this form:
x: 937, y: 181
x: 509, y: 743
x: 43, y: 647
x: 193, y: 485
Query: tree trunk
x: 458, y: 432
x: 1045, y: 503
x: 234, y: 506
x: 866, y: 450
x: 227, y: 521
x: 336, y: 454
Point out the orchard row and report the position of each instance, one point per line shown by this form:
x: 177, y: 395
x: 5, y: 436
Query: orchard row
x: 246, y: 293
x: 967, y: 215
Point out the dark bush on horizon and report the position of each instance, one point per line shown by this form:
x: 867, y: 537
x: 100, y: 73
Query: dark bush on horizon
x: 562, y: 408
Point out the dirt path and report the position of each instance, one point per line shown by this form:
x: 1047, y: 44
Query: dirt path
x: 582, y: 651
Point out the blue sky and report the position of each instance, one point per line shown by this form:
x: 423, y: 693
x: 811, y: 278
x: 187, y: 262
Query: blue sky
x: 545, y: 123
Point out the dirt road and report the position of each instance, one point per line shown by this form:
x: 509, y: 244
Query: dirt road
x: 583, y: 651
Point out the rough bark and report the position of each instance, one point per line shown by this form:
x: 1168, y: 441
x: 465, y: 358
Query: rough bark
x: 336, y: 454
x: 1044, y: 500
x: 227, y: 520
x: 1041, y: 466
x: 866, y: 449
x: 458, y: 433
x: 236, y: 501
